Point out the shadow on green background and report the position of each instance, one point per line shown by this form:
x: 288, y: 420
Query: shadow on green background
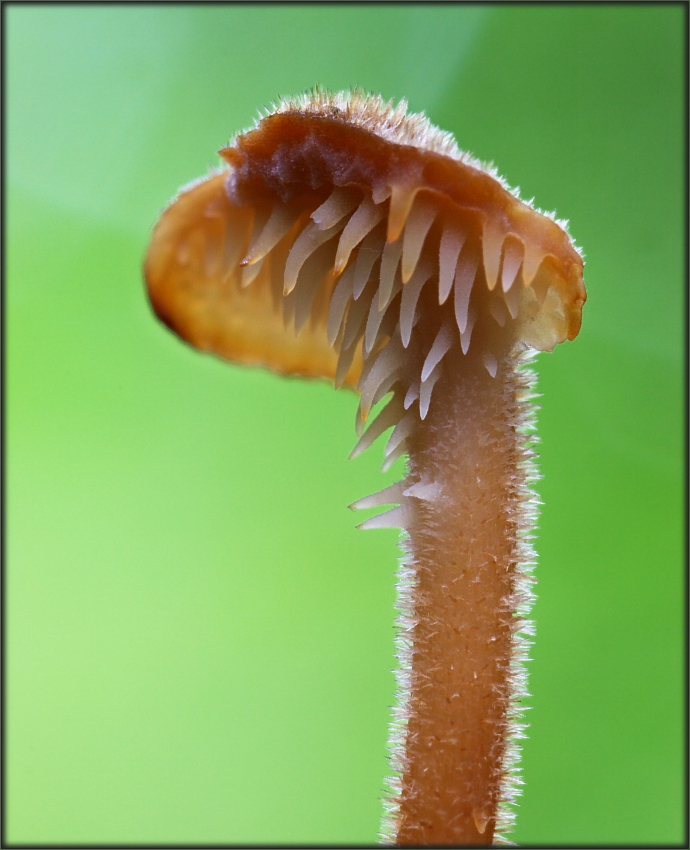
x: 199, y: 643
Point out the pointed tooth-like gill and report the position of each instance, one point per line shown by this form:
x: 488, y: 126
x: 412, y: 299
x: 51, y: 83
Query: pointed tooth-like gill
x: 464, y: 280
x: 310, y: 277
x: 345, y: 358
x: 341, y: 201
x: 393, y: 456
x: 387, y: 360
x: 401, y: 431
x: 339, y: 300
x: 493, y: 235
x: 428, y: 491
x: 419, y: 221
x: 389, y: 416
x: 512, y: 298
x: 359, y: 422
x: 368, y: 253
x: 426, y: 389
x: 392, y: 495
x: 449, y: 249
x: 389, y: 266
x: 250, y: 273
x: 410, y: 297
x: 376, y: 316
x: 490, y: 362
x: 356, y: 318
x: 534, y: 255
x: 363, y: 219
x: 260, y: 219
x: 402, y: 197
x: 412, y: 394
x: 279, y: 223
x: 380, y: 192
x: 236, y: 235
x: 440, y: 347
x: 513, y: 255
x: 498, y: 310
x: 541, y: 286
x: 306, y: 243
x: 385, y: 386
x: 466, y: 335
x: 399, y: 517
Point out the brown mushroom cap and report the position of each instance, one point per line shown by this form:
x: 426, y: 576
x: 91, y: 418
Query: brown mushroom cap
x: 351, y: 241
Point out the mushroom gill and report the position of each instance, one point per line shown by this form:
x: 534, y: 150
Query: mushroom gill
x: 347, y: 240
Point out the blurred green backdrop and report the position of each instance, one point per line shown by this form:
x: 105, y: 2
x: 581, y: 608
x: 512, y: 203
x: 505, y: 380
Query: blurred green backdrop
x: 200, y: 643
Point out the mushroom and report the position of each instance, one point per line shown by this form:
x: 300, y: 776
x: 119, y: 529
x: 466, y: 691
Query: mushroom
x: 348, y: 240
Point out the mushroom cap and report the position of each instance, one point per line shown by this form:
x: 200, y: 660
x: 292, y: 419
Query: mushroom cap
x: 344, y: 237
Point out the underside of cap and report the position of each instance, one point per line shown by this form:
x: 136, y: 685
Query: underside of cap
x: 350, y: 241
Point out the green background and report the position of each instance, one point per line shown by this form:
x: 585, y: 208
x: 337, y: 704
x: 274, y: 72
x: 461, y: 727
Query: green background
x: 199, y: 642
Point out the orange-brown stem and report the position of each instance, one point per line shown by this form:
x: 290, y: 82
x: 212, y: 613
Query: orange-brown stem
x: 465, y: 550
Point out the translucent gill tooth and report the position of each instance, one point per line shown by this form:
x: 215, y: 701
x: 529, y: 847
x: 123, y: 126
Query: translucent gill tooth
x: 318, y: 315
x: 305, y: 245
x: 530, y: 265
x: 258, y: 223
x: 466, y: 335
x: 401, y: 431
x: 388, y: 325
x: 492, y: 242
x: 369, y: 363
x: 393, y: 456
x: 490, y: 362
x: 336, y: 312
x: 402, y: 197
x: 339, y: 203
x: 412, y: 394
x: 369, y: 252
x: 452, y: 241
x: 499, y: 311
x: 441, y: 345
x: 513, y: 255
x: 356, y: 316
x: 385, y: 386
x: 276, y: 262
x: 345, y: 359
x: 464, y: 279
x: 427, y: 491
x: 279, y: 222
x: 235, y: 242
x: 388, y: 359
x: 399, y: 517
x: 426, y: 389
x: 390, y: 415
x: 380, y: 192
x: 359, y: 422
x: 288, y: 304
x: 376, y: 318
x: 363, y: 219
x: 389, y: 265
x: 541, y: 286
x: 392, y: 495
x: 512, y: 299
x: 250, y: 273
x: 410, y: 296
x: 311, y: 275
x: 419, y: 221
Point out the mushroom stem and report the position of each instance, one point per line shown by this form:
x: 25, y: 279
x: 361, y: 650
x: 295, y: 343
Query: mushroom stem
x: 470, y: 556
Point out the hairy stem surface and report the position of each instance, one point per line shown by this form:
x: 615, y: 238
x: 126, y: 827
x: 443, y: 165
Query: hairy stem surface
x: 467, y: 552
